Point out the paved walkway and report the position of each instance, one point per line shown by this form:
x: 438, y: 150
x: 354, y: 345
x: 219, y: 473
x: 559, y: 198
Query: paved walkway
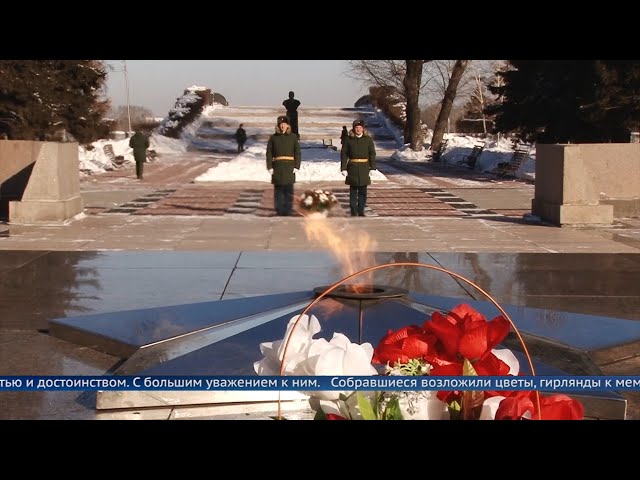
x: 420, y: 208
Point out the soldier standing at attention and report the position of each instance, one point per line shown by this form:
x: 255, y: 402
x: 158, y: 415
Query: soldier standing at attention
x: 283, y: 162
x: 357, y: 159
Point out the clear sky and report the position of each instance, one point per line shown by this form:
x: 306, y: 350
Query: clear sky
x: 156, y: 84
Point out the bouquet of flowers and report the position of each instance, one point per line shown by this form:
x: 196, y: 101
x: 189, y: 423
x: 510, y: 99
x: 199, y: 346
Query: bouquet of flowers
x: 460, y: 342
x: 319, y: 201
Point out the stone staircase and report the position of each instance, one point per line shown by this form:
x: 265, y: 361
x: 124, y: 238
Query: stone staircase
x: 315, y: 124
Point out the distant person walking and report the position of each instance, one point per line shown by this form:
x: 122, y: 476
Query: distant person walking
x: 291, y: 104
x: 357, y: 159
x: 139, y: 142
x: 343, y: 135
x: 241, y: 138
x: 283, y: 162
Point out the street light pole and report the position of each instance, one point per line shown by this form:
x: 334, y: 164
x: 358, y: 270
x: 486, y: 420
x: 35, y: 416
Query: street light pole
x: 126, y: 81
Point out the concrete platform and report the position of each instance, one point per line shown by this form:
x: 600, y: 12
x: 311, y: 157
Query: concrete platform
x: 38, y: 286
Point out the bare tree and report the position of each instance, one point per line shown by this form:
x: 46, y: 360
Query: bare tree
x: 137, y: 113
x: 478, y: 100
x: 412, y: 80
x: 384, y: 73
x: 405, y: 76
x: 447, y: 102
x: 440, y: 73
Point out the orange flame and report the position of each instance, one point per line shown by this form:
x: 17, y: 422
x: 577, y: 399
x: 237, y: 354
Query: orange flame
x: 352, y: 248
x: 327, y: 308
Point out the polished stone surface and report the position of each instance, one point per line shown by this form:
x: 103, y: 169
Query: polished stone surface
x: 38, y: 286
x: 34, y: 353
x: 123, y: 333
x: 578, y: 331
x: 230, y: 345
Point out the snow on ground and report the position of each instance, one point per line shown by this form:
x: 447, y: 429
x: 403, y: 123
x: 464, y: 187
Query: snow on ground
x: 96, y: 160
x: 460, y: 145
x: 494, y: 152
x: 318, y: 163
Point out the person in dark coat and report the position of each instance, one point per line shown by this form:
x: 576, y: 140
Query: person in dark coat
x: 291, y: 104
x: 283, y: 162
x: 343, y: 135
x: 357, y: 159
x: 139, y: 142
x: 241, y: 138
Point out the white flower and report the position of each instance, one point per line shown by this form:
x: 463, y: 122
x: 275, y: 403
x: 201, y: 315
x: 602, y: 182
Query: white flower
x: 308, y: 356
x: 323, y: 198
x: 308, y: 201
x: 337, y: 357
x: 490, y: 407
x: 301, y: 339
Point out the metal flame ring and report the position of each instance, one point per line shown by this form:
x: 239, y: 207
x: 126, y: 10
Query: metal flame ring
x: 408, y: 264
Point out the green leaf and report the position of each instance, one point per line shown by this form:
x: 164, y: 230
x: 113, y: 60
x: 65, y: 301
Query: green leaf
x: 471, y: 400
x: 468, y: 370
x: 454, y: 410
x: 366, y: 410
x: 393, y: 412
x: 377, y: 396
x: 320, y: 415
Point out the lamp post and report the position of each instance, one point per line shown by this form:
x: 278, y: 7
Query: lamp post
x: 126, y: 81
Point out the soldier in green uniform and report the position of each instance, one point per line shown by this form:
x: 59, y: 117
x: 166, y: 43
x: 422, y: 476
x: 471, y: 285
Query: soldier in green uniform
x: 357, y: 159
x: 139, y: 142
x: 283, y: 162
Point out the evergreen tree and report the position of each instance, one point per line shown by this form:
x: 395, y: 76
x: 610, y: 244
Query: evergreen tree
x: 39, y: 98
x: 616, y: 109
x: 568, y: 101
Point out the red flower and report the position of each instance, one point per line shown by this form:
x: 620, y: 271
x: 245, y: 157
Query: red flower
x: 466, y: 332
x: 333, y: 416
x: 553, y: 407
x: 515, y: 406
x: 403, y: 345
x: 561, y: 407
x: 446, y: 341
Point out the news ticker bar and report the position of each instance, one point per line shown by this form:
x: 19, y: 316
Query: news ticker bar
x: 564, y: 383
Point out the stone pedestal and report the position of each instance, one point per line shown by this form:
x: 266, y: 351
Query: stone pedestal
x: 52, y: 194
x: 581, y: 184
